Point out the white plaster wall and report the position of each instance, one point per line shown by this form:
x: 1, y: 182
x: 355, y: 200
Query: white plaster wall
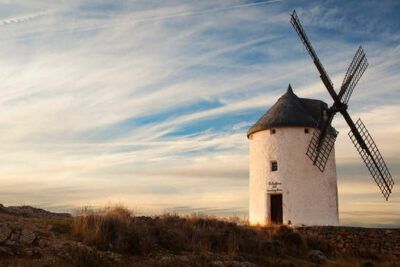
x: 309, y: 196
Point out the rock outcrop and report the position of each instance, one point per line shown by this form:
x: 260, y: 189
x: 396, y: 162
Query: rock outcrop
x: 28, y: 211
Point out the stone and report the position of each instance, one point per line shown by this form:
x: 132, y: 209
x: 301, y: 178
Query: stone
x: 232, y: 264
x: 6, y: 251
x: 5, y: 232
x: 368, y: 263
x: 285, y: 263
x: 15, y: 235
x: 43, y: 243
x: 32, y: 252
x: 27, y: 237
x: 217, y: 264
x: 317, y: 256
x: 247, y: 264
x: 10, y: 242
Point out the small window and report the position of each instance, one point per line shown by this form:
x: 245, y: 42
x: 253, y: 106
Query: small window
x: 272, y: 131
x: 274, y: 165
x: 306, y: 130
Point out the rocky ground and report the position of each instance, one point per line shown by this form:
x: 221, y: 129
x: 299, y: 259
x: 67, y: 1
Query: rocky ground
x: 35, y: 237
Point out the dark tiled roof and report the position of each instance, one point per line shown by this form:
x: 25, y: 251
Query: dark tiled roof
x: 290, y: 110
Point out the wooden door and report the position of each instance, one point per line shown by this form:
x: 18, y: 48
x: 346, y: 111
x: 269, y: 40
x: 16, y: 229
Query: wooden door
x: 276, y: 209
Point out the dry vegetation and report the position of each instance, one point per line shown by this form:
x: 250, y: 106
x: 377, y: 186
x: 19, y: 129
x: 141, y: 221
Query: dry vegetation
x: 114, y: 237
x: 116, y: 230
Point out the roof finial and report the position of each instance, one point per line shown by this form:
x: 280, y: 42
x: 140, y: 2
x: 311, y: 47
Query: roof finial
x: 289, y: 89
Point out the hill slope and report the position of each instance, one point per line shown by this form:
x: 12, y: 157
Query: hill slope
x: 114, y: 237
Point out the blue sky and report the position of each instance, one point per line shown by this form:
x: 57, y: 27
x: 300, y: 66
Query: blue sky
x: 147, y: 103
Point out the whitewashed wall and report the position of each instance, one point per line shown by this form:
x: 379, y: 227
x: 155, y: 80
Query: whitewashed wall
x: 309, y: 196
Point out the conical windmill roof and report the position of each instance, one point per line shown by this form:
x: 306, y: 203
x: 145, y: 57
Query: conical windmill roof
x: 290, y: 110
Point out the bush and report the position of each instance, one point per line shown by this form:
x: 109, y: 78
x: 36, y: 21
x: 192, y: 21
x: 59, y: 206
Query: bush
x: 109, y: 228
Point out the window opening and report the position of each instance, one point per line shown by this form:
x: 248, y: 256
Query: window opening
x: 274, y: 165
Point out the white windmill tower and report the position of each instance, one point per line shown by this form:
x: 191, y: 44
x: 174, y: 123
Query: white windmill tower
x: 284, y: 186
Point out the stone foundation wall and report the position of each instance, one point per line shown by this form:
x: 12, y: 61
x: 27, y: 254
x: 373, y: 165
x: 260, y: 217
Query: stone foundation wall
x: 356, y: 240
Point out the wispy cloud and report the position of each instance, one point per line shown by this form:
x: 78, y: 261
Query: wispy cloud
x: 21, y: 19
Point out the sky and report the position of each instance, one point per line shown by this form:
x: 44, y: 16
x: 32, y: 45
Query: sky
x: 147, y: 103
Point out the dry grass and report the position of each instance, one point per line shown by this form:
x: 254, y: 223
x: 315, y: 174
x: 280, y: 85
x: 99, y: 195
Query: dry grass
x: 106, y: 228
x: 118, y: 230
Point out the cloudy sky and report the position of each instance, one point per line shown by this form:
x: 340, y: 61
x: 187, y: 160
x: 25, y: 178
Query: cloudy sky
x: 147, y: 103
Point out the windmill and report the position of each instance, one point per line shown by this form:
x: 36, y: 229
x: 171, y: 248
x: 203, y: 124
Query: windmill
x: 323, y: 139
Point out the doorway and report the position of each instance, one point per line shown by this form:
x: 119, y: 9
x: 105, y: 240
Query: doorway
x: 276, y: 208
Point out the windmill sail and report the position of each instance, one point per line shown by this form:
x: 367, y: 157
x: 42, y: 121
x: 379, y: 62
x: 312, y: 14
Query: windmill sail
x: 372, y: 158
x: 322, y: 141
x: 356, y: 69
x: 303, y: 37
x: 319, y: 150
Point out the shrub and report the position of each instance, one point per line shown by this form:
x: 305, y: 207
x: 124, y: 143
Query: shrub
x: 106, y: 229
